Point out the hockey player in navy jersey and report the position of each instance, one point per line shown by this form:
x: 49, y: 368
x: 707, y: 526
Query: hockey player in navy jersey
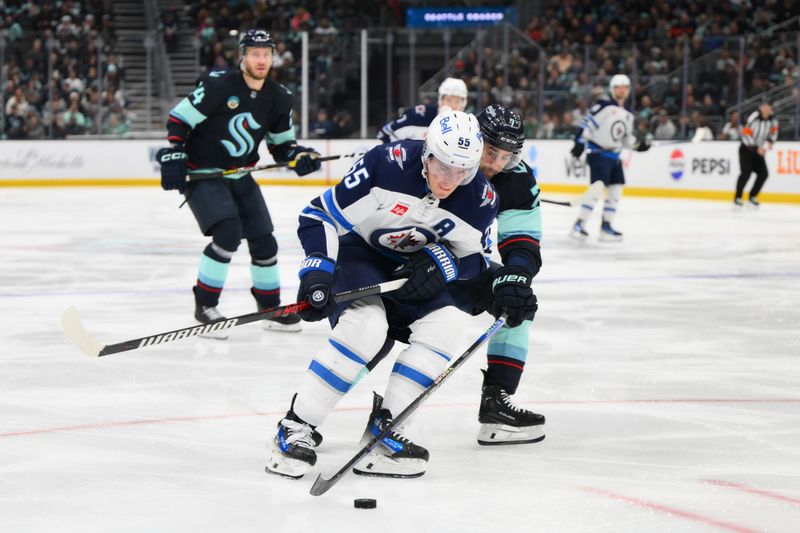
x: 219, y: 127
x: 418, y: 206
x: 413, y: 124
x: 605, y: 131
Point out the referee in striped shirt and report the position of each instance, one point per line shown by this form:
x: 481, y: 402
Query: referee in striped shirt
x: 760, y: 130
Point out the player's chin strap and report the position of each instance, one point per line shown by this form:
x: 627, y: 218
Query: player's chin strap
x: 204, y: 174
x: 75, y: 332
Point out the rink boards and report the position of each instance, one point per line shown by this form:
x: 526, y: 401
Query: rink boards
x: 692, y: 170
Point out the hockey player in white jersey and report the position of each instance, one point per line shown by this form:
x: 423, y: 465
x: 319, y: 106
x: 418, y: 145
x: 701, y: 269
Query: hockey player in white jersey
x: 605, y: 131
x: 413, y: 124
x: 415, y: 208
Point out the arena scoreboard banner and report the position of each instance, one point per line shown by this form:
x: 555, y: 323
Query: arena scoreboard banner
x: 458, y: 17
x: 701, y: 170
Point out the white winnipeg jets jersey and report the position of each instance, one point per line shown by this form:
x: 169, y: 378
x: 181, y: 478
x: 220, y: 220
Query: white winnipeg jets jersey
x: 607, y: 127
x: 384, y: 199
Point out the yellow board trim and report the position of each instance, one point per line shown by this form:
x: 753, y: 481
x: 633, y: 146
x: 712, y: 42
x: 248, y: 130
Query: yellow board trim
x: 788, y: 198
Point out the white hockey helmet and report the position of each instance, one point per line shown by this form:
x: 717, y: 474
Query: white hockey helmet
x: 619, y: 80
x: 455, y: 139
x: 454, y: 87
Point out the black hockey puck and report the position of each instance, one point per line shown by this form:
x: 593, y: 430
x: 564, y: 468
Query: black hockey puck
x: 365, y: 503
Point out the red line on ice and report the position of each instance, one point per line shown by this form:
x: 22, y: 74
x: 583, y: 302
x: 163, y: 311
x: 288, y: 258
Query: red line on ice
x: 669, y: 510
x: 752, y: 490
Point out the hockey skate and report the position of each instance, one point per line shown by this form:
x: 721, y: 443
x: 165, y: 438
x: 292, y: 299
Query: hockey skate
x: 737, y: 204
x: 607, y: 233
x: 578, y: 232
x: 292, y: 453
x: 205, y: 314
x: 753, y: 203
x: 288, y: 323
x: 502, y: 422
x: 394, y: 455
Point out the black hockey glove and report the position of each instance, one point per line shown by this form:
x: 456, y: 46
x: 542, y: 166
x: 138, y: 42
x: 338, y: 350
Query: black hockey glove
x: 173, y: 168
x: 643, y: 146
x: 306, y: 160
x: 316, y: 280
x: 577, y: 149
x: 513, y: 295
x: 428, y: 271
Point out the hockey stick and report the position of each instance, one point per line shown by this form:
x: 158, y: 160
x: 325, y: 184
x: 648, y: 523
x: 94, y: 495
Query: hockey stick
x: 322, y: 485
x: 593, y: 190
x: 197, y: 176
x: 77, y: 334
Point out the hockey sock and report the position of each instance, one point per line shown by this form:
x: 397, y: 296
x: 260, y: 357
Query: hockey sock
x: 506, y: 356
x: 416, y: 368
x: 611, y: 202
x: 266, y: 284
x: 357, y: 337
x: 214, y: 264
x: 586, y: 208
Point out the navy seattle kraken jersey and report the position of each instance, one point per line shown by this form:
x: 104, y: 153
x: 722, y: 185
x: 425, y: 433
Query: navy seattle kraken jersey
x: 519, y: 220
x: 223, y: 121
x: 413, y: 124
x: 385, y: 201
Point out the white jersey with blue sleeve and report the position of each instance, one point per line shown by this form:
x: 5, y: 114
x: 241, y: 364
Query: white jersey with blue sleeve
x: 413, y: 124
x: 384, y: 199
x: 607, y: 127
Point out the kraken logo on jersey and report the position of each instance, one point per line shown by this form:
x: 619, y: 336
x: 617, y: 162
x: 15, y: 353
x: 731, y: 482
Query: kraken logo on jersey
x: 237, y: 126
x: 404, y: 240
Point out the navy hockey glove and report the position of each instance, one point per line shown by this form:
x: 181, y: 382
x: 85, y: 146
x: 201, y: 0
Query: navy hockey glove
x: 316, y: 280
x: 306, y: 160
x: 173, y: 168
x: 428, y: 270
x: 513, y: 295
x: 577, y: 149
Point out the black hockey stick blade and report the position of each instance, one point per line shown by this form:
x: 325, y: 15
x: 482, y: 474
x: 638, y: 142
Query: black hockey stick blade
x: 595, y: 189
x: 77, y: 334
x: 322, y: 485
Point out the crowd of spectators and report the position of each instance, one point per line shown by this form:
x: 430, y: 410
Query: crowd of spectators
x: 60, y: 74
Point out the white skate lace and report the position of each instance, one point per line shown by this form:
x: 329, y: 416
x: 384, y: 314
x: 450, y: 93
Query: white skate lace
x: 212, y: 313
x: 297, y: 432
x: 507, y: 401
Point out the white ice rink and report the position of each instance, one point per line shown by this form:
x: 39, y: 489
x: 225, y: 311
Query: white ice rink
x: 668, y: 367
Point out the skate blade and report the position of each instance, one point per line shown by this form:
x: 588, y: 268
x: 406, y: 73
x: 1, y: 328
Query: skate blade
x: 501, y: 434
x: 578, y: 237
x: 378, y: 465
x: 216, y: 335
x: 289, y: 468
x: 271, y: 325
x: 610, y: 238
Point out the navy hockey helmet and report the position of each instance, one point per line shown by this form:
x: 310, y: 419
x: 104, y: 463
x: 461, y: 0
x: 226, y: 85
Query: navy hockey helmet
x: 256, y: 39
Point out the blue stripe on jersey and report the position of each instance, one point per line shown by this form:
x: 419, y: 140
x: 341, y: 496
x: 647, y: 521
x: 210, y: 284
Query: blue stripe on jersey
x: 329, y: 377
x: 441, y: 354
x: 413, y: 375
x: 187, y: 113
x: 591, y: 118
x: 347, y: 353
x: 330, y: 203
x: 319, y: 213
x: 519, y: 222
x: 280, y: 138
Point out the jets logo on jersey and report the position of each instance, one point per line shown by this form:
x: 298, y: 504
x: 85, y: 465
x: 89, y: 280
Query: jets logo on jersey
x: 488, y: 197
x: 237, y: 127
x: 404, y: 240
x: 618, y: 130
x: 398, y: 155
x: 399, y: 209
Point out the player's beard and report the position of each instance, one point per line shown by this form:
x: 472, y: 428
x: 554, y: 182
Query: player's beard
x: 255, y: 75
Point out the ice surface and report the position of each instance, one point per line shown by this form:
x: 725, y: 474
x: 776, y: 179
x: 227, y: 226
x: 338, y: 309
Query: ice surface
x: 668, y: 367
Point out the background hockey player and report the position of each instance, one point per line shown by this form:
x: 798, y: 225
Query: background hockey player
x: 219, y: 127
x: 413, y: 124
x: 605, y: 131
x: 420, y: 205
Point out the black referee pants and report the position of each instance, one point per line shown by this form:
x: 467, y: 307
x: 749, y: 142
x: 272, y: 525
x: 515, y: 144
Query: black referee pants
x: 749, y: 162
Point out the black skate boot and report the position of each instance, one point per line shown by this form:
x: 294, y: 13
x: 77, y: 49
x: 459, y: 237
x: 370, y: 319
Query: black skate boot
x: 394, y: 455
x: 607, y: 233
x: 502, y: 422
x: 292, y: 448
x: 205, y: 314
